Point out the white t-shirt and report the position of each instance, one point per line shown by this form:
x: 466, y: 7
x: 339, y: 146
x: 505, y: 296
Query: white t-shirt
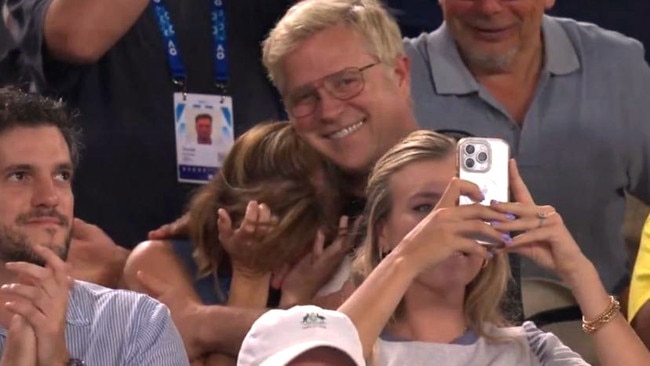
x: 528, y: 346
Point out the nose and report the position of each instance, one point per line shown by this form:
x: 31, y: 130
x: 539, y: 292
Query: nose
x: 488, y: 7
x: 45, y: 193
x: 328, y: 108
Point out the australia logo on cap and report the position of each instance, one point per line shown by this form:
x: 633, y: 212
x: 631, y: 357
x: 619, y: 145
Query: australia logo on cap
x: 311, y: 320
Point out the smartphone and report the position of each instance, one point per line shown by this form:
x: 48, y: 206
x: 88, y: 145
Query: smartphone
x: 484, y: 162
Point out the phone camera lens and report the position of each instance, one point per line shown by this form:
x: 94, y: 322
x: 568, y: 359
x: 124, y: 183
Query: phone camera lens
x: 469, y: 149
x: 469, y: 163
x: 482, y: 156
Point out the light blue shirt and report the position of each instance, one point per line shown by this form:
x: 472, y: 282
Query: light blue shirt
x: 115, y: 327
x: 585, y: 138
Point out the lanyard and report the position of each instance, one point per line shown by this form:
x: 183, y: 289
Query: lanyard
x: 176, y: 67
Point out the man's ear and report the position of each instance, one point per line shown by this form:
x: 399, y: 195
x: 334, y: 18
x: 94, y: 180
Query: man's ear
x: 402, y: 70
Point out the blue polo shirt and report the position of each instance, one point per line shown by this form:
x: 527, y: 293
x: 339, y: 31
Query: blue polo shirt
x: 585, y: 138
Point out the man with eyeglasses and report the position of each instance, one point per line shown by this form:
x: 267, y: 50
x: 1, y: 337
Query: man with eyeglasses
x: 576, y: 123
x: 345, y: 80
x: 350, y: 104
x: 341, y: 69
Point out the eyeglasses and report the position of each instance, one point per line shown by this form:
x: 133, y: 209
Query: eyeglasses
x: 342, y: 85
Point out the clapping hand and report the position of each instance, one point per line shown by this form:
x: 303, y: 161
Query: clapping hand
x: 41, y: 299
x: 20, y: 346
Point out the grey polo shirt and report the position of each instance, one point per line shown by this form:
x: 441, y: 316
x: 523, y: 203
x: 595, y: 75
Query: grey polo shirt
x: 584, y: 141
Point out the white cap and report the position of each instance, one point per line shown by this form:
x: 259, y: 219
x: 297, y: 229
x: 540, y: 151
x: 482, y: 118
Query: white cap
x: 279, y: 336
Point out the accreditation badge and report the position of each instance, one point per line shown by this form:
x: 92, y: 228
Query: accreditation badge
x: 204, y: 135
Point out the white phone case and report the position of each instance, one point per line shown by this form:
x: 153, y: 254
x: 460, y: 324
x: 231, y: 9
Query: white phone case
x: 491, y: 176
x: 490, y: 173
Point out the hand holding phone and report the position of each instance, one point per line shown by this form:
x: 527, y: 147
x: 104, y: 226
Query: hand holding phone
x: 484, y: 162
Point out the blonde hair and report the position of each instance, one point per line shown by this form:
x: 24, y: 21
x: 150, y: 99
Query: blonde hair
x: 484, y: 294
x: 272, y: 165
x: 308, y: 17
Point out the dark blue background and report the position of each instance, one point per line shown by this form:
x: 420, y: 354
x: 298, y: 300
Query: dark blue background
x: 416, y: 16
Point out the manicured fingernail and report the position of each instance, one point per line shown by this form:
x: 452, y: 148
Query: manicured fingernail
x: 494, y: 223
x: 510, y: 217
x: 494, y: 202
x: 490, y: 255
x: 507, y: 239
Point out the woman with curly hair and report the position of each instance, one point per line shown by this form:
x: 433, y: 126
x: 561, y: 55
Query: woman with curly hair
x: 272, y: 206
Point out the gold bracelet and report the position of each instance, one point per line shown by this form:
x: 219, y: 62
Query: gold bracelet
x: 590, y: 326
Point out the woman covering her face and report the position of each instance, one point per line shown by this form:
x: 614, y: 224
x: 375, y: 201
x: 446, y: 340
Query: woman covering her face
x: 431, y: 294
x: 273, y: 197
x: 261, y: 224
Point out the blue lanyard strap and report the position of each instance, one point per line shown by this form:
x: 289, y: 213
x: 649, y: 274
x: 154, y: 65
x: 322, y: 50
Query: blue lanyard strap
x: 219, y: 43
x: 176, y: 67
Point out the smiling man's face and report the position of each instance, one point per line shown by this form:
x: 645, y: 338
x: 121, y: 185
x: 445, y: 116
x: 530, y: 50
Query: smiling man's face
x: 352, y: 133
x: 492, y: 33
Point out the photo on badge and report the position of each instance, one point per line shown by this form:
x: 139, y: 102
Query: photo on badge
x: 204, y: 135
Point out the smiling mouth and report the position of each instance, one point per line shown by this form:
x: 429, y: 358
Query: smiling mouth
x: 491, y: 31
x: 346, y: 131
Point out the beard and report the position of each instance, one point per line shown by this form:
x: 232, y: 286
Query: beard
x: 15, y: 245
x: 490, y: 63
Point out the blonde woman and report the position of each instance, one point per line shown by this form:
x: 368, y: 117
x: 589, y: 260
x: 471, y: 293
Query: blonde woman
x: 431, y: 293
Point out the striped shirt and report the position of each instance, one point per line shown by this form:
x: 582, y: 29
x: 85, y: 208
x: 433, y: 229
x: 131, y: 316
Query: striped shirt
x: 114, y: 327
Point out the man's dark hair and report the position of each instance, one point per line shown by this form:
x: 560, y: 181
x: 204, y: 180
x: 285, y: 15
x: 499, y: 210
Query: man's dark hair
x: 202, y: 115
x: 21, y: 109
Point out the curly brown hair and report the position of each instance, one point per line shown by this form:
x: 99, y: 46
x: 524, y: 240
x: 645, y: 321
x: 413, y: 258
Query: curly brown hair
x: 269, y: 164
